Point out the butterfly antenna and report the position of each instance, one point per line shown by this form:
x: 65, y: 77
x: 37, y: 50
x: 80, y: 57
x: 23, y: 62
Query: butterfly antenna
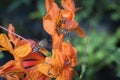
x: 14, y: 33
x: 84, y: 65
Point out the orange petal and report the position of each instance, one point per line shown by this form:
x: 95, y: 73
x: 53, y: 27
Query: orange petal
x: 70, y: 53
x: 80, y: 32
x: 34, y: 56
x: 70, y: 25
x: 52, y: 9
x: 10, y: 35
x: 50, y: 19
x: 47, y: 70
x: 48, y: 4
x: 57, y: 59
x: 3, y: 49
x: 44, y: 68
x: 32, y: 59
x: 6, y: 67
x: 33, y: 73
x: 22, y: 51
x: 9, y: 67
x: 66, y: 74
x: 15, y: 39
x: 68, y: 5
x: 5, y: 43
x: 67, y: 14
x: 13, y: 77
x: 49, y: 25
x: 57, y: 41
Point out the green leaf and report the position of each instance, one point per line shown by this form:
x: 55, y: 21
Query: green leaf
x: 1, y: 55
x: 117, y: 56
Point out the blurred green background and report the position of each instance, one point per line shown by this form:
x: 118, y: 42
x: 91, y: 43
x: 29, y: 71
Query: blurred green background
x: 98, y: 53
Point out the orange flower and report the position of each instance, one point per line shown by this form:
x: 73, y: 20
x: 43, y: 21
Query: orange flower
x: 55, y: 14
x: 61, y: 63
x: 18, y: 52
x: 24, y: 61
x: 52, y: 20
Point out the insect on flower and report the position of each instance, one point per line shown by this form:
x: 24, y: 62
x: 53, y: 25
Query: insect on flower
x: 40, y: 45
x: 61, y: 27
x: 36, y: 47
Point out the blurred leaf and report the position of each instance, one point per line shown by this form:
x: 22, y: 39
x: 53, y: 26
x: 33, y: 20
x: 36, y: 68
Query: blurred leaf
x: 40, y: 11
x: 117, y: 56
x: 1, y: 55
x: 115, y: 16
x: 118, y: 74
x: 17, y: 3
x: 117, y: 34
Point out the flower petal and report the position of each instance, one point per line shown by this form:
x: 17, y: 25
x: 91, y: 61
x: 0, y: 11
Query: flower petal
x: 10, y: 35
x: 32, y: 59
x: 44, y: 68
x: 33, y: 73
x: 22, y: 51
x: 69, y: 54
x: 68, y: 5
x: 80, y: 32
x: 66, y: 74
x: 5, y: 43
x: 50, y: 19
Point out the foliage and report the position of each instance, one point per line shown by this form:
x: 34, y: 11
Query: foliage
x: 101, y: 50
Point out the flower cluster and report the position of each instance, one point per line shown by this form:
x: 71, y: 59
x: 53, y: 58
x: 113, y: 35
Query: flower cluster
x: 28, y: 64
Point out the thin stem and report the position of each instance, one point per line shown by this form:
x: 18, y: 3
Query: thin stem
x: 14, y: 34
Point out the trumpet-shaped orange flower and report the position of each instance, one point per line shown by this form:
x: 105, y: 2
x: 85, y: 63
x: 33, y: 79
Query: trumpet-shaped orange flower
x: 23, y: 57
x: 55, y: 14
x: 61, y: 63
x: 18, y: 52
x: 25, y: 61
x: 52, y: 20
